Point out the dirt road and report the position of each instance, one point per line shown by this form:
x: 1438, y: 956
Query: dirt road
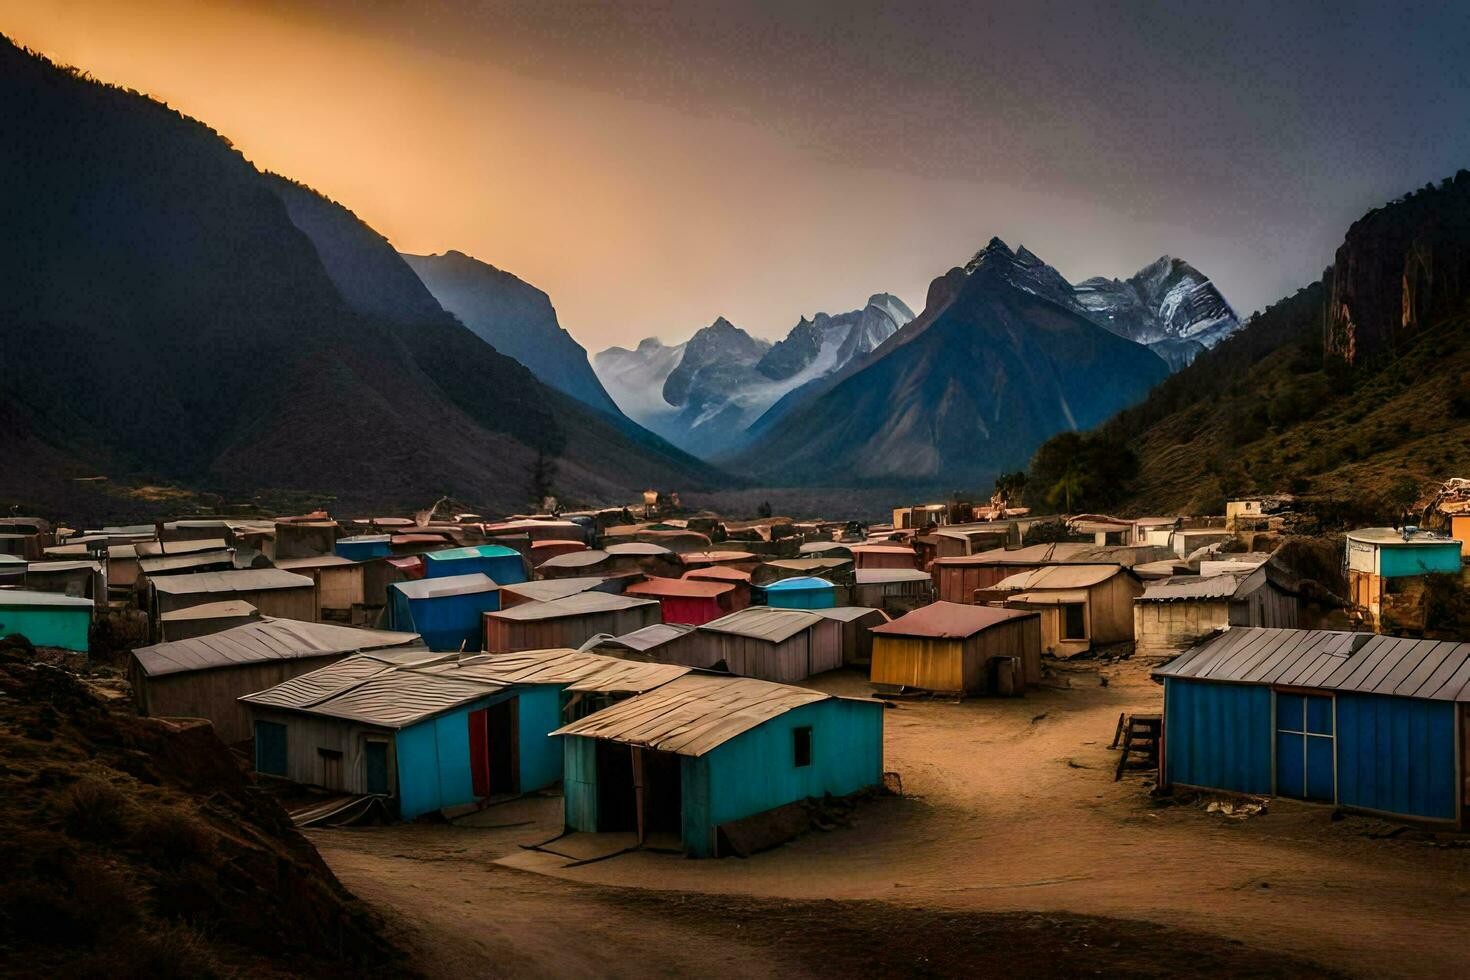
x: 1010, y: 808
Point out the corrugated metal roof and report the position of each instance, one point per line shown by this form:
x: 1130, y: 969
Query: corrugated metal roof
x: 821, y: 547
x: 26, y: 597
x: 888, y: 576
x: 1185, y: 587
x: 949, y: 620
x: 679, y: 587
x: 1050, y: 598
x: 244, y: 580
x: 581, y: 604
x: 882, y: 549
x: 649, y: 637
x: 545, y: 590
x: 1029, y: 555
x: 1058, y: 577
x: 694, y: 714
x: 1266, y: 656
x: 764, y: 623
x: 804, y: 583
x: 436, y: 588
x: 399, y: 698
x: 306, y: 691
x: 699, y: 557
x: 576, y: 669
x: 209, y: 610
x: 266, y: 639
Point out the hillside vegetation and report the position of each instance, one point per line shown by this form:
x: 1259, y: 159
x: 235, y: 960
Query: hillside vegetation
x: 1269, y: 411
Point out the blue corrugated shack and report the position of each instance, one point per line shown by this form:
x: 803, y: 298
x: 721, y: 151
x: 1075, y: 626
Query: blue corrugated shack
x: 503, y: 565
x: 446, y: 612
x: 700, y: 756
x: 431, y: 732
x: 803, y: 592
x: 47, y: 619
x: 364, y: 547
x: 1369, y: 723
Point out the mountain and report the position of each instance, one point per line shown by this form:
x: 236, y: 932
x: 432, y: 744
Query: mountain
x: 1167, y: 305
x: 1353, y: 393
x: 704, y: 394
x: 171, y: 315
x: 515, y: 318
x: 999, y: 360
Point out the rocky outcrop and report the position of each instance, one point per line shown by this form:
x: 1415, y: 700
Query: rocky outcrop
x: 1400, y: 267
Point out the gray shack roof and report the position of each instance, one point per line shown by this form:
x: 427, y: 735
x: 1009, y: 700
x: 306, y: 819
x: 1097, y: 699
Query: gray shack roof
x: 209, y: 610
x: 849, y: 614
x: 310, y: 692
x: 764, y: 623
x: 580, y: 604
x: 890, y: 576
x: 648, y: 637
x: 244, y: 580
x: 1188, y: 588
x: 12, y: 598
x: 545, y: 590
x: 1330, y: 660
x: 266, y: 639
x: 694, y: 714
x: 197, y: 559
x: 437, y: 588
x: 577, y: 670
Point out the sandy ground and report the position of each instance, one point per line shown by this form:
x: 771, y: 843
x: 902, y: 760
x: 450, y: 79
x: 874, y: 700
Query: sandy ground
x: 1010, y: 807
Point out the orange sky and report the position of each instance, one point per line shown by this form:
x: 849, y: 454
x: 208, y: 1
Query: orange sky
x: 651, y: 182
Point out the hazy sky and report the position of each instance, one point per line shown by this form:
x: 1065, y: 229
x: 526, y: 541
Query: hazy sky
x: 654, y: 165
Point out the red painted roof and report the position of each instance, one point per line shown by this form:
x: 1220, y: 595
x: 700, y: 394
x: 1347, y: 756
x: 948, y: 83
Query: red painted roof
x: 949, y: 620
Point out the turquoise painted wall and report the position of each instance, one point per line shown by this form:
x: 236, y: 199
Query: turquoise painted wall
x: 579, y: 783
x: 49, y: 626
x: 541, y: 755
x: 434, y: 761
x: 802, y: 599
x: 1397, y: 561
x: 1218, y: 736
x: 755, y: 771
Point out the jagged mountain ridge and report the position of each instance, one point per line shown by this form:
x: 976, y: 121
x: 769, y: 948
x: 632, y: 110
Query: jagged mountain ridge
x: 999, y: 360
x: 214, y: 343
x: 515, y: 318
x: 705, y: 393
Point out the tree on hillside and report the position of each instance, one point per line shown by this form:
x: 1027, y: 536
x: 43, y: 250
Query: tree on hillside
x: 543, y: 475
x: 1008, y: 488
x: 1069, y: 487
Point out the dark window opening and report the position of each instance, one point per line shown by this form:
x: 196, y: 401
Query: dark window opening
x: 270, y: 748
x: 801, y: 746
x: 1074, y: 621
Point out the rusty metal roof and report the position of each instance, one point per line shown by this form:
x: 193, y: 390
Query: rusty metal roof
x: 266, y: 639
x: 641, y: 548
x: 575, y: 669
x: 949, y: 620
x: 694, y: 714
x: 718, y: 573
x: 545, y: 590
x: 1187, y: 587
x: 889, y: 576
x: 679, y: 587
x: 648, y: 637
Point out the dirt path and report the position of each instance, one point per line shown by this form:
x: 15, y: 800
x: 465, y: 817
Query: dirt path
x: 1011, y: 807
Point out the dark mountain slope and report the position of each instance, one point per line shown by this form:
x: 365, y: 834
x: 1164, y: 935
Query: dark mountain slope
x: 1277, y: 407
x: 163, y: 317
x: 962, y: 394
x: 515, y: 318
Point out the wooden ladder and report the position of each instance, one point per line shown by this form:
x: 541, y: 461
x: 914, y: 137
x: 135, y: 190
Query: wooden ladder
x: 1141, y: 735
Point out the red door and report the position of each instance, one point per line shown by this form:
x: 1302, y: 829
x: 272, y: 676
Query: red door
x: 480, y: 752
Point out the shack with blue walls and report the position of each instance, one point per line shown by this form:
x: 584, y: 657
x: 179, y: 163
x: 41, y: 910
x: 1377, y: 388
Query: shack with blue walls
x: 801, y: 592
x: 504, y: 566
x: 47, y: 619
x: 430, y: 731
x: 697, y: 758
x: 1369, y: 723
x: 446, y: 612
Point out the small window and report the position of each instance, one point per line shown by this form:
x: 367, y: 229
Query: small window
x: 801, y: 746
x: 270, y: 748
x: 1074, y: 621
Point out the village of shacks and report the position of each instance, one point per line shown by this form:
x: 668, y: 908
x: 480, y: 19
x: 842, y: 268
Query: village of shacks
x: 804, y: 577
